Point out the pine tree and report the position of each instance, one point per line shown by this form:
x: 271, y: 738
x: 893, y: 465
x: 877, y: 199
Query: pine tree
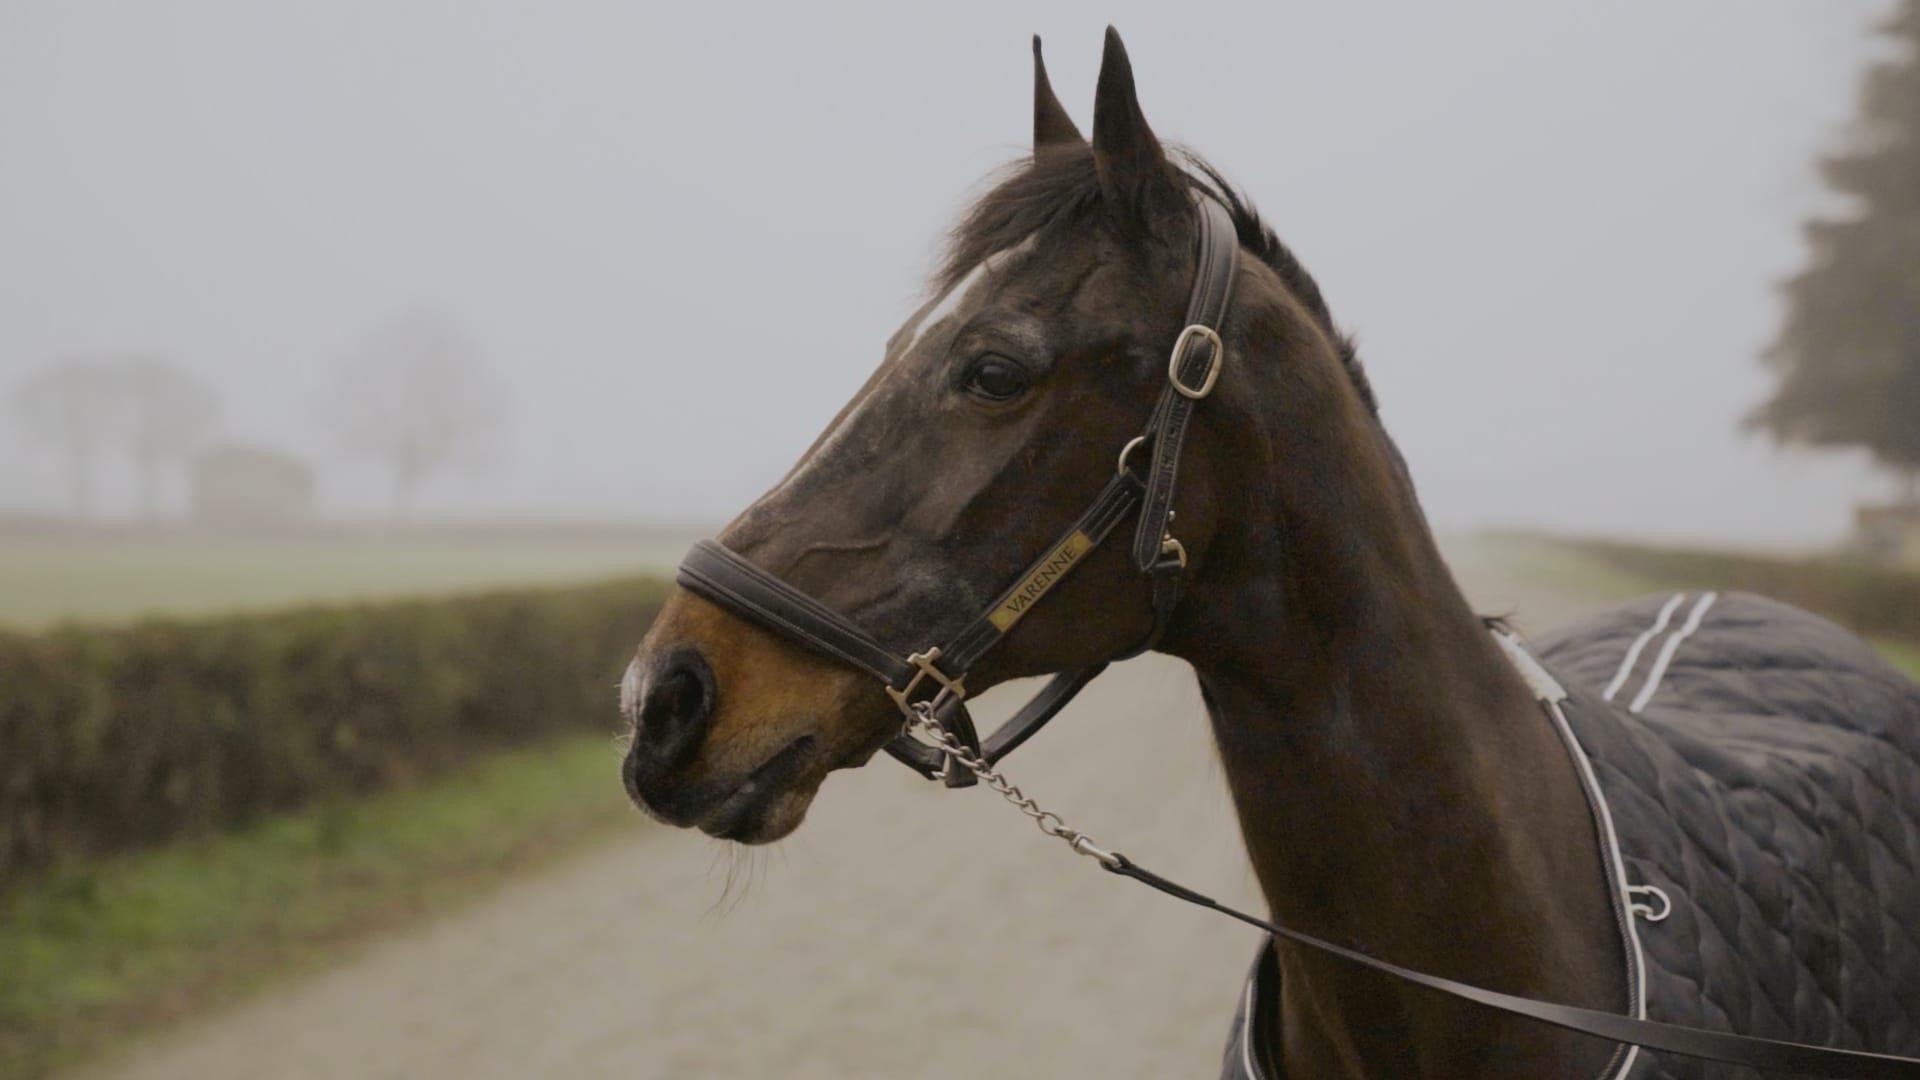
x: 1848, y: 352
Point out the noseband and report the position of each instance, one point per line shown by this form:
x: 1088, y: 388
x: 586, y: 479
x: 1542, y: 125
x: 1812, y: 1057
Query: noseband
x: 934, y: 678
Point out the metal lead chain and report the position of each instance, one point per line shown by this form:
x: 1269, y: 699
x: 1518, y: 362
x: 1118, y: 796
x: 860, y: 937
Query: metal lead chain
x: 1050, y: 823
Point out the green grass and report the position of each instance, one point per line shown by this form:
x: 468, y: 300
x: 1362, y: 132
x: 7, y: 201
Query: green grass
x: 43, y: 581
x: 1905, y: 656
x: 96, y: 949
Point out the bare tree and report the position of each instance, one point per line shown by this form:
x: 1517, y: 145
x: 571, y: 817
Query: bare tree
x: 417, y: 397
x: 167, y: 413
x: 71, y: 406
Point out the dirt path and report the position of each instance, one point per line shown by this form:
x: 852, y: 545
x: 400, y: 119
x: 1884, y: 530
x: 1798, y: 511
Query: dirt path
x: 904, y: 931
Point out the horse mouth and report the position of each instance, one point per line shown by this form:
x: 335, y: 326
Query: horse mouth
x: 760, y: 808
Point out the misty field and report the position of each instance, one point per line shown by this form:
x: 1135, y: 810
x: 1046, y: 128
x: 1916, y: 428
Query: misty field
x: 45, y: 580
x: 1868, y: 600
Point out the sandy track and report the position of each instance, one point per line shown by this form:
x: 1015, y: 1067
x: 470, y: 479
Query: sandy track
x: 904, y: 931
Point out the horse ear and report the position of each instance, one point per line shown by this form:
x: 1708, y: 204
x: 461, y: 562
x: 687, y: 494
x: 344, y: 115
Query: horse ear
x: 1135, y: 178
x: 1051, y: 124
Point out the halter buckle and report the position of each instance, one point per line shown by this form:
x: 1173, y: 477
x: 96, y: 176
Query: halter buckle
x: 1215, y: 361
x: 925, y: 668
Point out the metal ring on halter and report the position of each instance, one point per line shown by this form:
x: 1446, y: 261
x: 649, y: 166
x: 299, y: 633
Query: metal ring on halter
x: 1126, y: 452
x: 1215, y: 362
x: 925, y: 668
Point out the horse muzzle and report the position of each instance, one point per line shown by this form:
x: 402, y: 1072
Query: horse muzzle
x: 733, y: 730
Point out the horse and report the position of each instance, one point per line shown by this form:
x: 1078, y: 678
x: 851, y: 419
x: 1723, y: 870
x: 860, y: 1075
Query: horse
x: 1703, y: 810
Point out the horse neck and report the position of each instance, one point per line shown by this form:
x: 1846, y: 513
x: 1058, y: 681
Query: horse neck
x: 1396, y: 783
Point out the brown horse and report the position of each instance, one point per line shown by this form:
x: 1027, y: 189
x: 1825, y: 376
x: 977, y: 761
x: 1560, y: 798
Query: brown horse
x: 1355, y: 697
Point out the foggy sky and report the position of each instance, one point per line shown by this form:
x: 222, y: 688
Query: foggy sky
x: 683, y: 235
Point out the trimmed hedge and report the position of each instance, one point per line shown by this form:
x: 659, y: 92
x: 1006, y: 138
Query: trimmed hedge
x: 121, y: 736
x: 1870, y: 600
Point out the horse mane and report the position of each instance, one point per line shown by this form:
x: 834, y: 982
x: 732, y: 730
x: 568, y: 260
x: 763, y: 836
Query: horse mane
x: 1062, y: 184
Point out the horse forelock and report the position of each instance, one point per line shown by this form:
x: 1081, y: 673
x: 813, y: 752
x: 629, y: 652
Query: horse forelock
x: 1062, y: 185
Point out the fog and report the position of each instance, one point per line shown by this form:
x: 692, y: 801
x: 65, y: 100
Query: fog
x: 679, y: 237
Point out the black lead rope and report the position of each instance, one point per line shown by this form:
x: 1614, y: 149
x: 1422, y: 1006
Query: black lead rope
x: 1770, y: 1054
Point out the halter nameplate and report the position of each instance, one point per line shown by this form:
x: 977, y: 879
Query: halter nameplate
x: 1044, y: 577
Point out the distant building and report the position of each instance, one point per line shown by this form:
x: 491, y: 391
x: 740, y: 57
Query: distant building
x: 235, y: 486
x: 1889, y: 534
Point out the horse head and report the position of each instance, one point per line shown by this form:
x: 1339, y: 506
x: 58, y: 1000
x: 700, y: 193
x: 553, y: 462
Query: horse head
x: 1001, y: 407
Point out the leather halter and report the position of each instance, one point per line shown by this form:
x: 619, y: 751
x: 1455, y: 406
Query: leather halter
x: 936, y: 675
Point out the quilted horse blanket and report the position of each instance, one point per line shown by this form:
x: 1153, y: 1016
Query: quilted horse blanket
x: 1755, y: 777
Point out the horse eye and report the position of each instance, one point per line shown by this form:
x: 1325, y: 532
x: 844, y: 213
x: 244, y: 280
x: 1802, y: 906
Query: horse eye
x: 997, y: 379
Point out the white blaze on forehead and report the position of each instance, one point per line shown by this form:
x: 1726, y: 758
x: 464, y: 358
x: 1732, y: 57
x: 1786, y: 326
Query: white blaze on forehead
x: 950, y: 302
x: 956, y: 296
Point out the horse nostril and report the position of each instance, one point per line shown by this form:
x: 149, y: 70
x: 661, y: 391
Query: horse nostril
x: 672, y: 719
